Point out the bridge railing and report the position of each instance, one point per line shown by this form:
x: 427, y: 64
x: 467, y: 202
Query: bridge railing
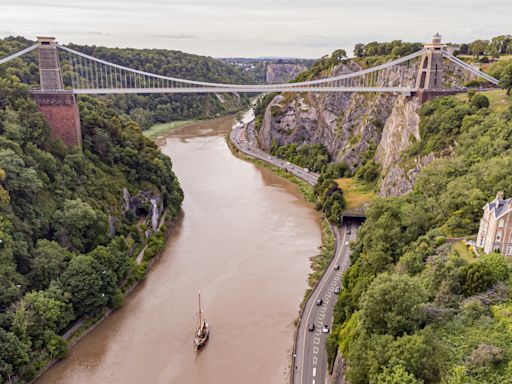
x: 87, y: 74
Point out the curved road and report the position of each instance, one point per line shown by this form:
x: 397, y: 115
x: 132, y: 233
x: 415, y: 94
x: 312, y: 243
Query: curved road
x: 310, y: 355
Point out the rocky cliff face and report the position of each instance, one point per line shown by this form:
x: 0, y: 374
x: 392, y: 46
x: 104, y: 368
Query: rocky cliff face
x: 400, y: 131
x: 282, y: 73
x: 348, y: 124
x: 355, y: 126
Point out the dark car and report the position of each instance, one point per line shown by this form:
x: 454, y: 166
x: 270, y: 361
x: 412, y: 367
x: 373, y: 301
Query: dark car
x: 319, y: 302
x: 336, y: 267
x: 311, y: 327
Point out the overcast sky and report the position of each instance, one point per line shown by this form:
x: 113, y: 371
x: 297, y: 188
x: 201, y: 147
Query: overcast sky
x: 251, y: 28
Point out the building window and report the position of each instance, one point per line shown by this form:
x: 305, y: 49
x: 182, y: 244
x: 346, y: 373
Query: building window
x: 509, y: 250
x: 501, y: 223
x: 498, y: 235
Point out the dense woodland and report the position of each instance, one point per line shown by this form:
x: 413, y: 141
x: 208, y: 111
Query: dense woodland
x: 146, y: 110
x: 414, y: 308
x: 66, y: 241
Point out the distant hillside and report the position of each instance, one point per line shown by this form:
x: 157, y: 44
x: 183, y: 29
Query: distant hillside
x: 270, y: 69
x: 146, y: 109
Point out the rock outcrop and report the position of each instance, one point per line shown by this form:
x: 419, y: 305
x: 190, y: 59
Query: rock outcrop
x: 355, y: 126
x: 282, y: 73
x: 348, y: 124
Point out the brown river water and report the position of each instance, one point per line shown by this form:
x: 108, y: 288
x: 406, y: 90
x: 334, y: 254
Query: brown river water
x: 245, y: 240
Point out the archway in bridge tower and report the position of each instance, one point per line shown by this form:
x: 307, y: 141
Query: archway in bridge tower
x: 423, y: 79
x: 425, y: 62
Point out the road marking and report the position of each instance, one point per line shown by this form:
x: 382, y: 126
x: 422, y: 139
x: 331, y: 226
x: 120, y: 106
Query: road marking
x: 336, y: 257
x: 314, y: 372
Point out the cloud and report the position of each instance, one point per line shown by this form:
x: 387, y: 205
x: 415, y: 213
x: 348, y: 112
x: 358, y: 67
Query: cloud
x: 176, y: 36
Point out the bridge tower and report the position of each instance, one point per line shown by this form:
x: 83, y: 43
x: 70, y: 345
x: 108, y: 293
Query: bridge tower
x: 58, y: 106
x: 430, y: 73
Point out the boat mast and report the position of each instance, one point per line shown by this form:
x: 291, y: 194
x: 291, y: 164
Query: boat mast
x: 199, y: 294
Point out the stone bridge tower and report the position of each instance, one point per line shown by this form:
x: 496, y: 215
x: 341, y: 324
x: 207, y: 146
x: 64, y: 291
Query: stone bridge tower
x: 430, y: 72
x: 58, y: 106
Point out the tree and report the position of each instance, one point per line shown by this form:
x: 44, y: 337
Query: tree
x: 79, y: 226
x: 48, y: 263
x: 464, y: 48
x: 19, y: 179
x: 395, y: 375
x: 84, y: 283
x: 359, y: 50
x: 13, y: 354
x: 393, y: 304
x: 506, y: 79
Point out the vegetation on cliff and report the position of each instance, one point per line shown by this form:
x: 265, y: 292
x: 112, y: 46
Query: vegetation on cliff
x: 414, y: 308
x: 66, y: 235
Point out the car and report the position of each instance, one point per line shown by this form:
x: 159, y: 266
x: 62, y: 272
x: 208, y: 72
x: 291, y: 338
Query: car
x: 311, y: 327
x: 337, y: 290
x: 336, y: 267
x: 346, y: 243
x: 319, y: 302
x: 269, y: 157
x: 349, y: 231
x: 325, y: 329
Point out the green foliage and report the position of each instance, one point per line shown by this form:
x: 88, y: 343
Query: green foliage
x: 369, y: 172
x: 497, y: 265
x: 395, y: 48
x: 396, y: 375
x: 476, y: 278
x: 479, y: 101
x: 78, y: 226
x: 311, y: 156
x: 506, y: 78
x: 462, y: 301
x: 62, y: 220
x: 393, y: 304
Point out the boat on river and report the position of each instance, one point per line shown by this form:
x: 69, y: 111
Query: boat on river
x: 203, y: 330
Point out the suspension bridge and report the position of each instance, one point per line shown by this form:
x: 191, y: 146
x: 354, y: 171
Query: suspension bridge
x: 419, y: 72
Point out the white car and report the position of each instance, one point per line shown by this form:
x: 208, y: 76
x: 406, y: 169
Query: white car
x: 346, y: 243
x: 325, y: 329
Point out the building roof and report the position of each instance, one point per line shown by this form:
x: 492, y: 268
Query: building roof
x: 499, y: 207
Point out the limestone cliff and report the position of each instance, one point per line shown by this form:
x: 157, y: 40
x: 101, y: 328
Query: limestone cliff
x: 400, y: 131
x: 282, y: 73
x: 348, y: 124
x: 354, y: 127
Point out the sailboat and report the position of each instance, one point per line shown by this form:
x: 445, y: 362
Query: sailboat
x: 203, y: 331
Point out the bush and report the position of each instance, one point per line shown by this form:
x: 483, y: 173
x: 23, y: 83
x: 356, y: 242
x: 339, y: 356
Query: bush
x: 477, y: 277
x: 479, y: 101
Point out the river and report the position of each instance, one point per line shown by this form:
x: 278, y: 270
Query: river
x: 245, y: 240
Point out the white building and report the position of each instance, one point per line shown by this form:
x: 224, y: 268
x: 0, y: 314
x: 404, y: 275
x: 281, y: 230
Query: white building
x: 495, y: 233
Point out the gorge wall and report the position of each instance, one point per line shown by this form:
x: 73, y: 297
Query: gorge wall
x: 354, y: 127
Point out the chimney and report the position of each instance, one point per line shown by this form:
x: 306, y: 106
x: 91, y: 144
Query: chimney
x: 500, y: 195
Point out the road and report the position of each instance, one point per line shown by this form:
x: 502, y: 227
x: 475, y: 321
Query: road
x: 310, y: 355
